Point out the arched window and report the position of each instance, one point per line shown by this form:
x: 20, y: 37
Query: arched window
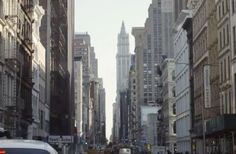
x: 174, y: 127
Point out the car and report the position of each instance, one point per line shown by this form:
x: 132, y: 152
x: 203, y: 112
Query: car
x: 125, y: 151
x: 20, y: 146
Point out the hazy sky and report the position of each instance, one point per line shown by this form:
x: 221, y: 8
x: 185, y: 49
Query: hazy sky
x: 102, y: 20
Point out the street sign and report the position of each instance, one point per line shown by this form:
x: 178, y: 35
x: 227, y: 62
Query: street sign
x: 60, y: 139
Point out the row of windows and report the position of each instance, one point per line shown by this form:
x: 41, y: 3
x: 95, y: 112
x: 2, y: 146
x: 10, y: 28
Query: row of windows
x: 233, y: 6
x: 199, y: 19
x: 180, y: 40
x: 182, y: 82
x: 226, y: 102
x: 183, y: 103
x: 225, y: 71
x: 223, y: 8
x: 200, y: 46
x: 183, y: 126
x: 224, y: 37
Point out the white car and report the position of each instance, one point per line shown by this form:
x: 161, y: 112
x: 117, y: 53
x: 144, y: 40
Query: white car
x: 10, y: 146
x: 125, y: 151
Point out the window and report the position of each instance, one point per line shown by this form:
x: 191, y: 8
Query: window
x: 223, y: 7
x: 173, y: 75
x: 219, y: 11
x: 221, y: 71
x: 173, y: 92
x: 222, y: 104
x: 230, y: 102
x: 224, y: 41
x: 220, y: 40
x: 227, y: 34
x: 1, y: 45
x: 174, y: 127
x: 226, y: 5
x: 174, y: 109
x: 234, y: 40
x: 233, y: 6
x: 226, y: 104
x: 225, y: 69
x: 229, y: 67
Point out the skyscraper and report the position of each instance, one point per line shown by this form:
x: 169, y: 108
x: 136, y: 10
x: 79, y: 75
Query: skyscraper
x: 123, y: 59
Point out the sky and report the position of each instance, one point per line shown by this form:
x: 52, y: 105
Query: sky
x: 102, y: 19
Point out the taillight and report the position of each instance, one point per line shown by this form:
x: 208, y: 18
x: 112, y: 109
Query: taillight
x: 2, y: 151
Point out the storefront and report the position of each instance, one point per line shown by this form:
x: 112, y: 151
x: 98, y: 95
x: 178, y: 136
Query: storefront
x: 220, y: 134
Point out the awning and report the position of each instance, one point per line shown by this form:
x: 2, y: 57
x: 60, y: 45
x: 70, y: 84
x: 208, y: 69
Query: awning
x: 223, y: 123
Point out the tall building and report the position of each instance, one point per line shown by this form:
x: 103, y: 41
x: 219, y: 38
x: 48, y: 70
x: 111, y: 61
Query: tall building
x: 78, y: 96
x: 102, y: 114
x: 205, y: 71
x: 93, y: 63
x: 57, y: 28
x: 132, y: 102
x: 123, y: 58
x: 152, y: 42
x: 40, y: 126
x: 93, y: 95
x: 70, y: 60
x: 16, y: 66
x: 182, y: 81
x: 82, y: 49
x: 123, y: 116
x: 116, y: 125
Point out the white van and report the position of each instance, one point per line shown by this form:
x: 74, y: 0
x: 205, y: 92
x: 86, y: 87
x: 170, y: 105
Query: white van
x: 8, y: 146
x: 125, y: 151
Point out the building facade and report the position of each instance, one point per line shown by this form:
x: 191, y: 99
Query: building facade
x: 182, y: 81
x: 102, y: 114
x: 205, y: 70
x: 16, y: 66
x: 82, y: 49
x: 132, y: 103
x: 78, y: 96
x: 232, y: 7
x: 40, y: 126
x: 57, y: 28
x: 123, y: 63
x: 93, y: 120
x: 169, y: 105
x: 152, y: 129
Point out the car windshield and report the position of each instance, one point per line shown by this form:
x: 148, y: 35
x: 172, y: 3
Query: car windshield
x: 22, y: 151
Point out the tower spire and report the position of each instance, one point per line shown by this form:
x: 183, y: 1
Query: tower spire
x: 123, y: 27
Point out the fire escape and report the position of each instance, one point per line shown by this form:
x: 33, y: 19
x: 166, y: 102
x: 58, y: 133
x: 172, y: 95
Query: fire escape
x: 59, y: 116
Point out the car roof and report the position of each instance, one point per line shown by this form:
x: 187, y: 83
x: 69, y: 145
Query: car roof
x: 27, y: 144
